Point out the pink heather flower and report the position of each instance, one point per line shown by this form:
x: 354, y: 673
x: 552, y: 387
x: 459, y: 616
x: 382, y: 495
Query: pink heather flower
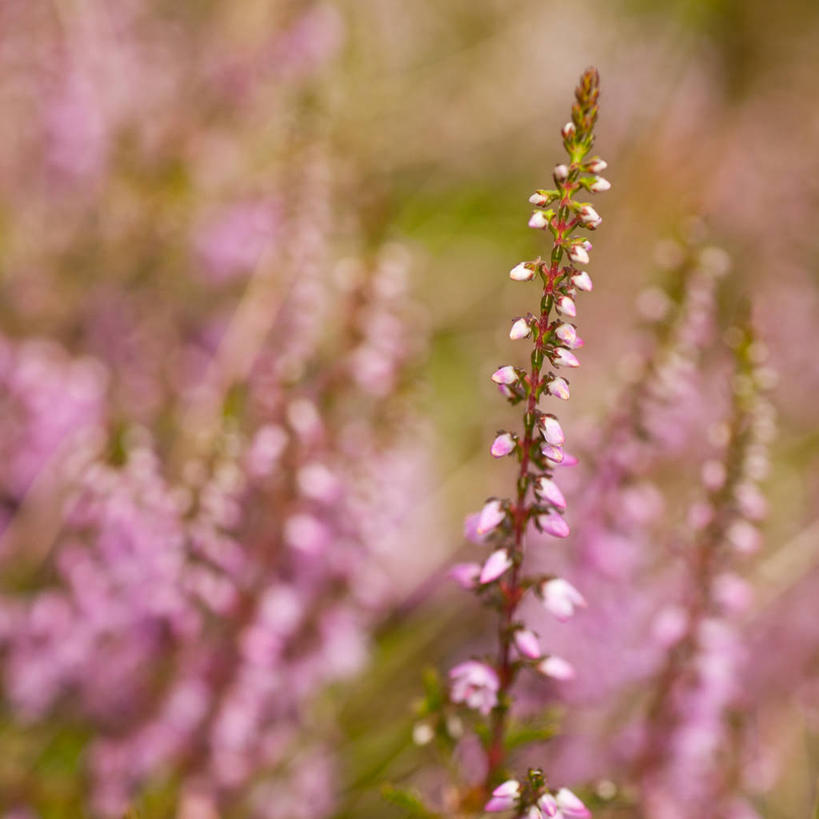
x: 553, y: 453
x: 520, y: 329
x: 565, y: 358
x: 504, y: 797
x: 582, y: 281
x: 497, y: 563
x: 566, y: 307
x: 670, y: 625
x: 559, y: 388
x: 548, y: 805
x: 471, y: 528
x: 561, y: 598
x: 551, y: 492
x: 599, y: 185
x: 554, y: 524
x: 466, y: 575
x: 527, y: 644
x: 522, y: 272
x: 568, y: 130
x: 596, y: 165
x: 579, y: 254
x: 490, y: 517
x: 589, y: 216
x: 561, y: 173
x: 732, y: 593
x: 505, y: 375
x: 570, y: 805
x: 502, y: 445
x: 569, y: 460
x: 744, y: 536
x: 566, y: 333
x: 538, y: 199
x: 538, y: 220
x: 475, y: 684
x: 551, y: 430
x: 557, y: 668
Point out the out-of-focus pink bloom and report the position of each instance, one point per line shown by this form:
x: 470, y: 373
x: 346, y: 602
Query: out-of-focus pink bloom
x: 554, y: 524
x: 466, y: 575
x: 744, y: 536
x: 496, y: 564
x: 475, y: 684
x: 526, y: 643
x: 548, y: 805
x: 551, y: 492
x: 570, y: 805
x: 561, y: 598
x: 504, y: 797
x: 471, y: 523
x: 556, y: 667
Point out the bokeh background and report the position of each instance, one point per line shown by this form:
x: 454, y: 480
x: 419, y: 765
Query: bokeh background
x: 196, y: 199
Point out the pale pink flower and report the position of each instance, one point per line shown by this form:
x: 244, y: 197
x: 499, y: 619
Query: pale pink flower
x: 599, y: 185
x: 565, y: 306
x: 559, y: 388
x: 579, y: 254
x: 505, y: 375
x: 554, y: 524
x: 561, y: 173
x: 565, y: 358
x: 553, y: 453
x: 596, y: 165
x: 556, y: 667
x: 582, y: 281
x: 490, y: 517
x: 538, y: 220
x: 526, y: 643
x: 497, y: 563
x: 551, y: 430
x: 570, y: 805
x: 475, y: 684
x: 551, y: 492
x: 566, y: 333
x: 520, y: 329
x: 522, y: 272
x: 503, y: 445
x: 504, y: 797
x: 466, y: 575
x: 561, y: 598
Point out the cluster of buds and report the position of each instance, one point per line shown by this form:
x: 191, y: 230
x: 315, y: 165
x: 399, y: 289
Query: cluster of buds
x: 503, y: 523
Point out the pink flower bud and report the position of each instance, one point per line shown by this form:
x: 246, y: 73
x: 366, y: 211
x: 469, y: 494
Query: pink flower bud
x: 561, y: 598
x: 564, y: 358
x: 596, y: 165
x: 566, y: 307
x: 526, y: 643
x: 744, y: 537
x: 569, y: 460
x: 471, y: 528
x: 520, y: 329
x: 538, y: 199
x: 599, y: 185
x: 578, y: 253
x: 538, y: 220
x: 670, y: 625
x: 553, y: 453
x: 505, y: 375
x: 503, y: 445
x: 732, y: 593
x: 504, y: 797
x: 582, y: 281
x: 551, y: 492
x: 497, y: 563
x: 557, y: 668
x: 568, y: 130
x: 559, y: 388
x: 548, y: 805
x: 491, y: 516
x: 551, y: 430
x: 561, y: 173
x: 466, y: 575
x: 571, y: 806
x: 589, y: 216
x: 566, y: 333
x: 554, y: 524
x: 522, y: 272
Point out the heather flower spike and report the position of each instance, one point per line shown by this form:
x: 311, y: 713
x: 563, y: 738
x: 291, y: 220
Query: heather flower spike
x: 537, y: 504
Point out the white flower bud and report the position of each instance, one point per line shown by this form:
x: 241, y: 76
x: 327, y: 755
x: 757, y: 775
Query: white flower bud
x: 568, y: 130
x: 564, y: 358
x: 559, y: 388
x: 522, y: 272
x: 561, y: 173
x: 566, y: 333
x: 520, y: 329
x: 600, y: 185
x: 589, y: 216
x: 557, y: 668
x: 538, y: 220
x: 578, y: 253
x: 582, y: 281
x: 566, y: 307
x: 551, y: 430
x: 596, y: 165
x: 505, y: 375
x: 538, y: 199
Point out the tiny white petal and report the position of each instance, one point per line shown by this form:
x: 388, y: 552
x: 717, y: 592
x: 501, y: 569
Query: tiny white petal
x: 596, y: 165
x: 600, y: 185
x: 566, y: 307
x: 561, y: 173
x: 582, y: 281
x: 577, y: 253
x: 559, y: 388
x: 522, y: 273
x: 565, y: 358
x: 538, y: 220
x: 520, y: 329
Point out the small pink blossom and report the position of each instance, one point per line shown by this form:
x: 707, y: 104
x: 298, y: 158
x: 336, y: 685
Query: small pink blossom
x: 538, y: 220
x: 557, y: 668
x: 566, y: 333
x: 565, y: 358
x: 551, y: 430
x: 504, y: 797
x: 565, y: 306
x: 571, y: 806
x: 490, y: 517
x: 589, y: 216
x: 559, y: 388
x: 551, y: 492
x: 520, y: 329
x: 503, y: 445
x: 475, y: 684
x: 522, y: 272
x: 582, y: 281
x: 579, y: 254
x: 553, y: 453
x: 497, y: 563
x: 526, y: 643
x: 600, y: 185
x: 744, y: 537
x: 505, y: 375
x: 538, y: 199
x: 596, y: 165
x: 561, y: 598
x: 568, y: 130
x: 466, y: 575
x: 548, y: 805
x: 554, y: 524
x: 561, y: 173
